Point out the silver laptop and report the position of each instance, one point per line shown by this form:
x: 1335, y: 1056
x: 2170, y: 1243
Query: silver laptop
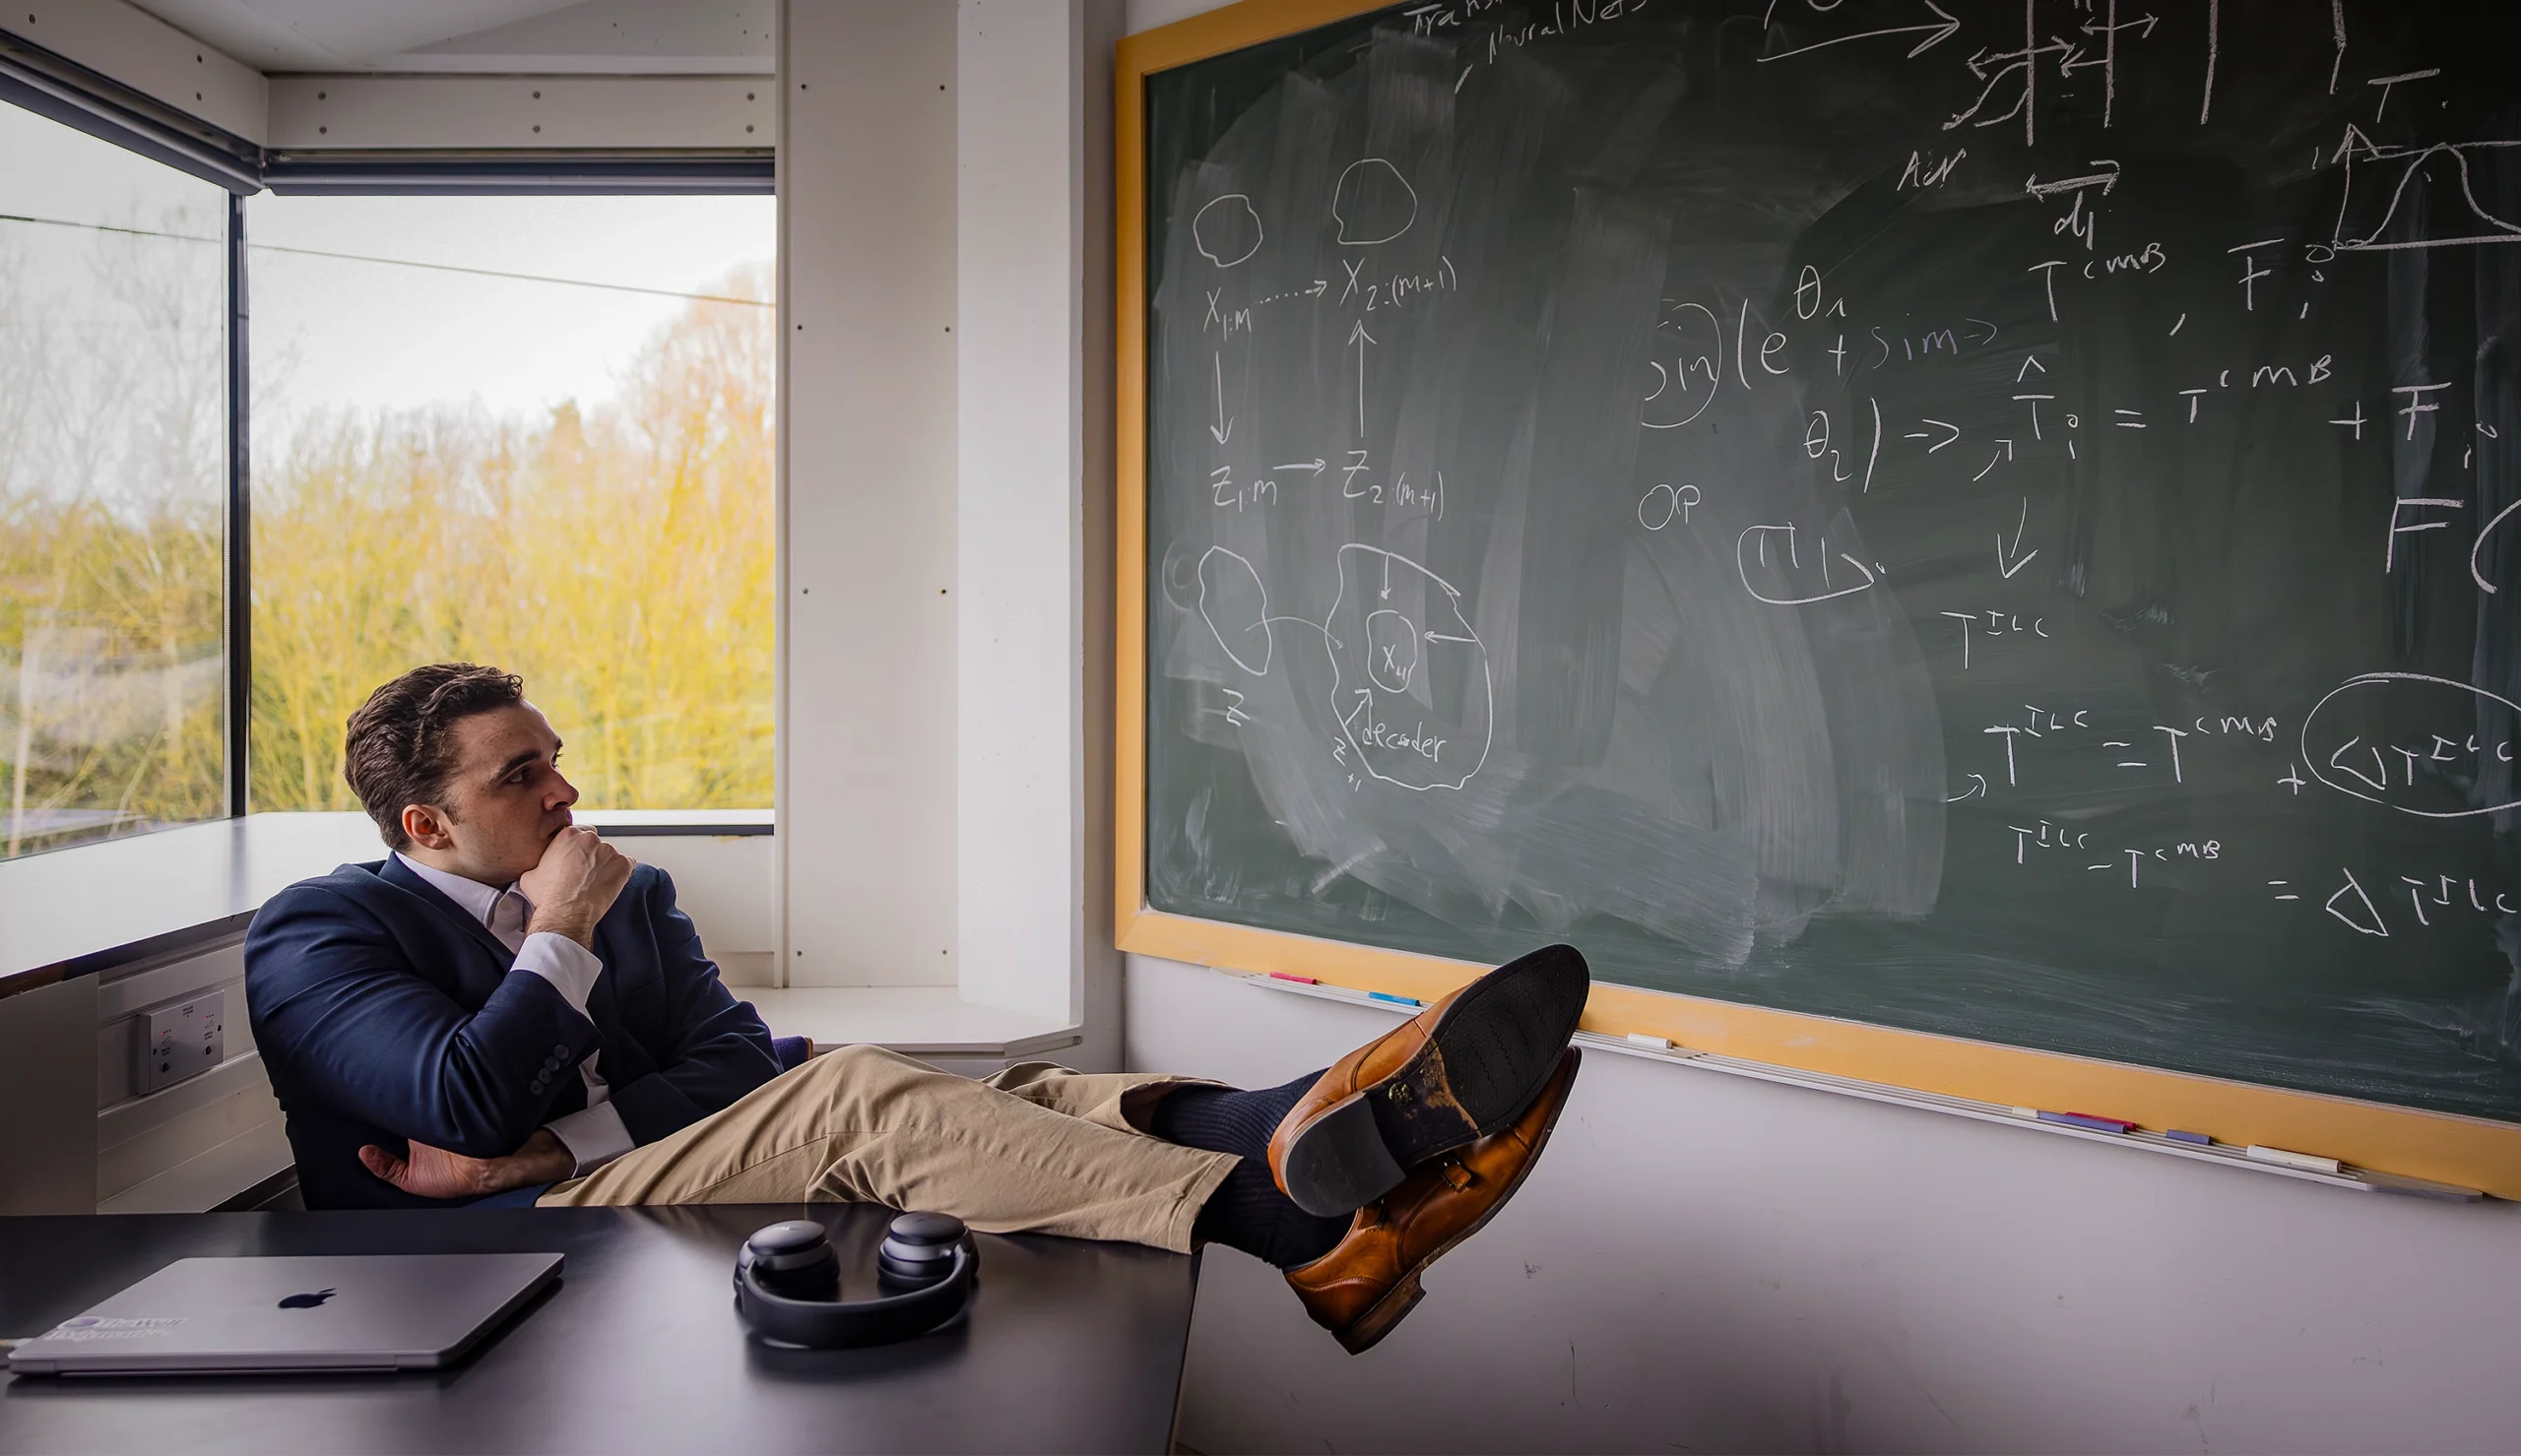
x: 335, y: 1312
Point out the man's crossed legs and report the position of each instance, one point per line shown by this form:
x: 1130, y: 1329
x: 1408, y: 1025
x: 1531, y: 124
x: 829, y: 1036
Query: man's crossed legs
x: 1351, y: 1181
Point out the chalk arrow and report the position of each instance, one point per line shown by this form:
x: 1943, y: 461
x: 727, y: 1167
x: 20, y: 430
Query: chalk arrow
x: 1360, y: 338
x: 1942, y: 33
x: 2019, y: 562
x: 1979, y: 791
x: 1320, y: 286
x: 1939, y: 425
x: 2347, y: 145
x: 2144, y: 28
x: 1316, y: 465
x: 1223, y: 429
x: 2107, y: 181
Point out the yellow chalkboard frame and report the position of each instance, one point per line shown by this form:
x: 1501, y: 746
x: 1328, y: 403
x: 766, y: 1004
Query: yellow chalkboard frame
x: 2469, y: 1151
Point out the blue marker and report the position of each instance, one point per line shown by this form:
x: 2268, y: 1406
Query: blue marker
x: 2199, y: 1138
x: 2087, y: 1121
x: 1395, y: 1000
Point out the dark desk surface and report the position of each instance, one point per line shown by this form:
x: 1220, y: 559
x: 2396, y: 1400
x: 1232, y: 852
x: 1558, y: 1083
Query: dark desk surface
x: 1068, y: 1346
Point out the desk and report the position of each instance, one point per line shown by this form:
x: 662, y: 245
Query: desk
x: 1068, y: 1346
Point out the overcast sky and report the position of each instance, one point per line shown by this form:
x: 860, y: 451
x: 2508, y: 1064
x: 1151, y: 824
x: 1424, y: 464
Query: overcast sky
x: 335, y: 333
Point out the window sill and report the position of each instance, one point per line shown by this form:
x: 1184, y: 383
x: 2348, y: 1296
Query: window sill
x: 928, y: 1021
x: 92, y: 908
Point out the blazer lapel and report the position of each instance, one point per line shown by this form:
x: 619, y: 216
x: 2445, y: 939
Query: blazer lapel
x: 600, y: 1001
x: 393, y: 873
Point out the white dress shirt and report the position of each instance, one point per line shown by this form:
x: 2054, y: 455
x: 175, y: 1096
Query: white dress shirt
x: 597, y: 1135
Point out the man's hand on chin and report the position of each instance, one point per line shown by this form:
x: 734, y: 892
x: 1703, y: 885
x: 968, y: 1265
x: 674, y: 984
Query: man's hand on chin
x: 576, y: 882
x: 434, y: 1173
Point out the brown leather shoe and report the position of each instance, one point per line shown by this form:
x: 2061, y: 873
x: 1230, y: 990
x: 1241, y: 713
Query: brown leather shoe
x: 1457, y: 1071
x: 1364, y: 1285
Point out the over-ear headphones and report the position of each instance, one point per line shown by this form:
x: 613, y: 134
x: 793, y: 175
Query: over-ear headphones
x: 788, y: 1283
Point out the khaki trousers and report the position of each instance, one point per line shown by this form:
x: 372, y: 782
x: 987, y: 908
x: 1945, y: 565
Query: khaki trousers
x: 1037, y: 1148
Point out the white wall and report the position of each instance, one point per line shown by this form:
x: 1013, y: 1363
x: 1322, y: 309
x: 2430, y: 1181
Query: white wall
x: 1705, y: 1262
x: 1033, y: 519
x: 867, y: 497
x: 945, y: 182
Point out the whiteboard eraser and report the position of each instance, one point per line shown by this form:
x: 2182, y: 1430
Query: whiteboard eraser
x: 1650, y: 1043
x: 2281, y: 1158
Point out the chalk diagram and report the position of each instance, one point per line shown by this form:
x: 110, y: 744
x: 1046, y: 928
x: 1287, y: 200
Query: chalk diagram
x: 2386, y: 773
x: 1373, y: 202
x: 2359, y: 231
x: 1226, y: 230
x: 1229, y: 588
x: 1394, y: 630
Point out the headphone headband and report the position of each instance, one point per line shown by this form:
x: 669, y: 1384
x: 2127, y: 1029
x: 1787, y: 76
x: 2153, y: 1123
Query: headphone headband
x: 841, y: 1324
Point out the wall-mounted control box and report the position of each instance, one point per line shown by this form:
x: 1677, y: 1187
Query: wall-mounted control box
x: 179, y: 1039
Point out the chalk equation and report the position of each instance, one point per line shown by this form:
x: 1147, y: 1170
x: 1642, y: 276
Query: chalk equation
x: 1995, y: 515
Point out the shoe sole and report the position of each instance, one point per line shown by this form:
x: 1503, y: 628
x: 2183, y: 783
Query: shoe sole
x: 1490, y: 1054
x: 1387, y: 1313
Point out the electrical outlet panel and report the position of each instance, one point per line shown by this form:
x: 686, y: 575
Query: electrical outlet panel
x: 180, y: 1039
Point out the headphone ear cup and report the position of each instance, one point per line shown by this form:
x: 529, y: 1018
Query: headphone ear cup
x: 919, y: 1249
x: 793, y: 1260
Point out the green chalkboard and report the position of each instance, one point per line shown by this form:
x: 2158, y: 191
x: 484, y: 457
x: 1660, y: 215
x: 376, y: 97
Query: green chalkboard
x: 1994, y: 519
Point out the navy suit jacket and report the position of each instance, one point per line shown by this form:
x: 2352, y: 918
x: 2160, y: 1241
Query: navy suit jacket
x: 385, y: 1014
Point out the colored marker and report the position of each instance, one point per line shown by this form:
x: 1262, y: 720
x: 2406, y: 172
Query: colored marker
x: 1395, y: 1000
x: 2281, y: 1158
x: 1650, y: 1042
x: 1298, y: 979
x: 2119, y: 1123
x: 2198, y: 1138
x: 2088, y: 1122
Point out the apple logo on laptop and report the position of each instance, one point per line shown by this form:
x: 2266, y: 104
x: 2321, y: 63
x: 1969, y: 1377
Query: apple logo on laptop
x: 305, y: 1301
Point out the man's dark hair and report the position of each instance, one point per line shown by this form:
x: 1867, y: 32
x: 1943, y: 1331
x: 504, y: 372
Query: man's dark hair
x: 401, y: 748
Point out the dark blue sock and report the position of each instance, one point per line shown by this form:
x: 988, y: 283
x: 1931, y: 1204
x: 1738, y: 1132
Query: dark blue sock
x: 1246, y: 1211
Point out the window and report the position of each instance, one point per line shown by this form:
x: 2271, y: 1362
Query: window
x: 531, y: 431
x: 113, y: 489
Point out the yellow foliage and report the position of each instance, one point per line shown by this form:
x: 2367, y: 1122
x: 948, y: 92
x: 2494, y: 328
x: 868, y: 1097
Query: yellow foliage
x: 111, y: 707
x: 621, y: 561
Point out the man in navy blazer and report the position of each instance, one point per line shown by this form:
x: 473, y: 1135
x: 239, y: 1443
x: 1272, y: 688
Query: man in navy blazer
x: 506, y: 1008
x: 384, y: 996
x: 359, y: 984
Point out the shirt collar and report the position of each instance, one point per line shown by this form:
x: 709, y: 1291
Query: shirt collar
x: 474, y: 898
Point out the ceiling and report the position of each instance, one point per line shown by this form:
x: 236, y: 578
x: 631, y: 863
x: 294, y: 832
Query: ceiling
x: 634, y: 37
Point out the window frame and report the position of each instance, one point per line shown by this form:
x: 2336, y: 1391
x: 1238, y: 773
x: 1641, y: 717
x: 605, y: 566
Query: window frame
x: 236, y: 589
x: 62, y: 91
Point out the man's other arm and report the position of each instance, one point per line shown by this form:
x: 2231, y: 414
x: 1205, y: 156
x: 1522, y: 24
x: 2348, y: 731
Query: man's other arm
x: 716, y: 1049
x: 339, y: 1006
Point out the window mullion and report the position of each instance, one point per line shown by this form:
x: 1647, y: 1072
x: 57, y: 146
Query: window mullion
x: 240, y: 593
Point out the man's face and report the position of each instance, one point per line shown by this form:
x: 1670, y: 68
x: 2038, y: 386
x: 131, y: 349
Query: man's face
x: 503, y: 802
